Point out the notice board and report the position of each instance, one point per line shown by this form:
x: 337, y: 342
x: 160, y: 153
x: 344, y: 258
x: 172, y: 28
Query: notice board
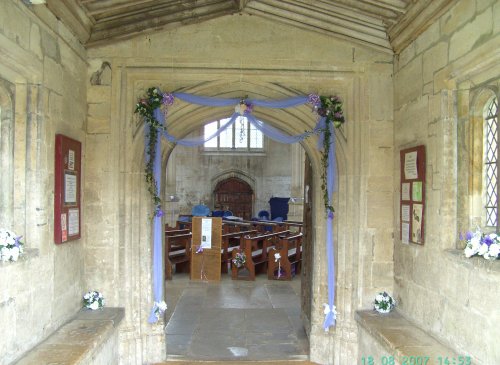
x: 67, y: 189
x: 206, y: 248
x: 412, y: 198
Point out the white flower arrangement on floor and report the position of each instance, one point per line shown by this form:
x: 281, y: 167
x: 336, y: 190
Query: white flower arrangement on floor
x: 93, y: 300
x: 384, y: 303
x: 480, y: 244
x: 11, y: 246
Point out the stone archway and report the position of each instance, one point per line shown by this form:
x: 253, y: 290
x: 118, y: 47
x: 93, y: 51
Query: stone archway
x: 184, y: 120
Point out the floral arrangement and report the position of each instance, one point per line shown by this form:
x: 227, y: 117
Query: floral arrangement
x: 160, y: 308
x: 11, y: 246
x: 243, y: 107
x: 384, y: 303
x: 329, y: 107
x: 146, y: 107
x: 93, y: 300
x: 239, y: 259
x: 480, y: 244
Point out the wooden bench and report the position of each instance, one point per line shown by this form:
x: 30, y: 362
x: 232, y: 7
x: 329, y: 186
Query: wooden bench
x: 255, y: 249
x: 177, y: 253
x: 230, y: 241
x: 229, y: 226
x: 290, y: 250
x: 293, y: 226
x: 174, y: 232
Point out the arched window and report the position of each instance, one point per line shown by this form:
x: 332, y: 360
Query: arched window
x: 240, y: 137
x: 491, y: 161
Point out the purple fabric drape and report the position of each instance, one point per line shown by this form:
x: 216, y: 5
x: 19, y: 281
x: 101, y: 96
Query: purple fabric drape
x: 330, y: 314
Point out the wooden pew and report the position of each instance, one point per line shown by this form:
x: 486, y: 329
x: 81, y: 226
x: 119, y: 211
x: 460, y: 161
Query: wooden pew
x: 177, y: 253
x: 229, y: 242
x: 174, y: 232
x: 293, y: 226
x: 229, y: 226
x: 290, y: 250
x: 255, y: 249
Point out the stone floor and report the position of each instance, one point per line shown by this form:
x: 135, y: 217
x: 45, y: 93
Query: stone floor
x: 234, y: 320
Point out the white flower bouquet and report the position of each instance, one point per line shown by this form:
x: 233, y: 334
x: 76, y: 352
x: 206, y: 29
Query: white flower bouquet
x: 480, y: 244
x: 10, y: 245
x: 384, y: 303
x: 160, y: 308
x: 239, y: 260
x: 93, y: 300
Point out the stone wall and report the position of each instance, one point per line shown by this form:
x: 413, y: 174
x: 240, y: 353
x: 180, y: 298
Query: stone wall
x: 230, y: 57
x: 44, y: 68
x: 196, y: 174
x: 435, y: 286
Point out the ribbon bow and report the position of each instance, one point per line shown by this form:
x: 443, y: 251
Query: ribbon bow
x: 330, y: 316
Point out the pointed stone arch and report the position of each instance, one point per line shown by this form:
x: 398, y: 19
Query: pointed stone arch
x: 183, y: 119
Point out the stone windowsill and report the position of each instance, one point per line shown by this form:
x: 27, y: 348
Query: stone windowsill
x: 28, y: 255
x: 477, y: 262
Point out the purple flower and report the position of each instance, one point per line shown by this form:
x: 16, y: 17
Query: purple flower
x: 314, y: 99
x: 17, y: 242
x: 338, y: 116
x: 249, y: 108
x: 469, y: 235
x: 159, y: 212
x: 199, y: 250
x: 487, y: 240
x: 330, y: 215
x: 168, y: 99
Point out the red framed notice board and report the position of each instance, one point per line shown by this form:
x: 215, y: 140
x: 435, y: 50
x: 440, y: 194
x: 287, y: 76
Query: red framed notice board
x: 412, y: 199
x: 67, y: 189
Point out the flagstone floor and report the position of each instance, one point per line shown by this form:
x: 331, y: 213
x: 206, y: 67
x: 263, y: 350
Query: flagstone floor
x: 234, y: 320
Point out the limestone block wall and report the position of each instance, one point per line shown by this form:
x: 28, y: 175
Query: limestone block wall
x: 439, y: 289
x: 230, y: 57
x: 44, y: 67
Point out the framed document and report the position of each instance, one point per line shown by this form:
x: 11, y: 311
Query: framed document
x: 412, y: 198
x: 67, y: 189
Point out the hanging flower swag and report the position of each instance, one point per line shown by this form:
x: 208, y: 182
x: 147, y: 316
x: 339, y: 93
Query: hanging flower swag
x: 327, y: 108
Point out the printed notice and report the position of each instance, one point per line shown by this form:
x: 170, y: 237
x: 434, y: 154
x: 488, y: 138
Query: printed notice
x: 416, y: 191
x: 405, y: 232
x: 71, y: 160
x: 70, y: 188
x: 64, y: 230
x: 73, y: 222
x: 405, y: 213
x: 411, y: 165
x: 417, y: 223
x: 405, y: 191
x: 206, y: 233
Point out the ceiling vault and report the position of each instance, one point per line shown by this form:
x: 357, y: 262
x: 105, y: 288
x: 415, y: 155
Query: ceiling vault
x: 388, y: 25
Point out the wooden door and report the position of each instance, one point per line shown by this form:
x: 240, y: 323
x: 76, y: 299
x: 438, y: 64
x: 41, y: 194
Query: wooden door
x: 235, y: 195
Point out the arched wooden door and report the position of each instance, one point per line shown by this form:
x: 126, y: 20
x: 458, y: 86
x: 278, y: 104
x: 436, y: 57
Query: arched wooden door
x: 235, y: 195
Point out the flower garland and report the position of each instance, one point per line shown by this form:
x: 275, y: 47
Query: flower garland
x: 93, y: 300
x: 146, y: 107
x: 11, y: 246
x: 384, y: 303
x: 329, y: 107
x: 480, y: 244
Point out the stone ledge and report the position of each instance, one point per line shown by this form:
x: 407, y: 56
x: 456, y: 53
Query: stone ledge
x: 473, y: 262
x: 400, y: 338
x: 78, y: 341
